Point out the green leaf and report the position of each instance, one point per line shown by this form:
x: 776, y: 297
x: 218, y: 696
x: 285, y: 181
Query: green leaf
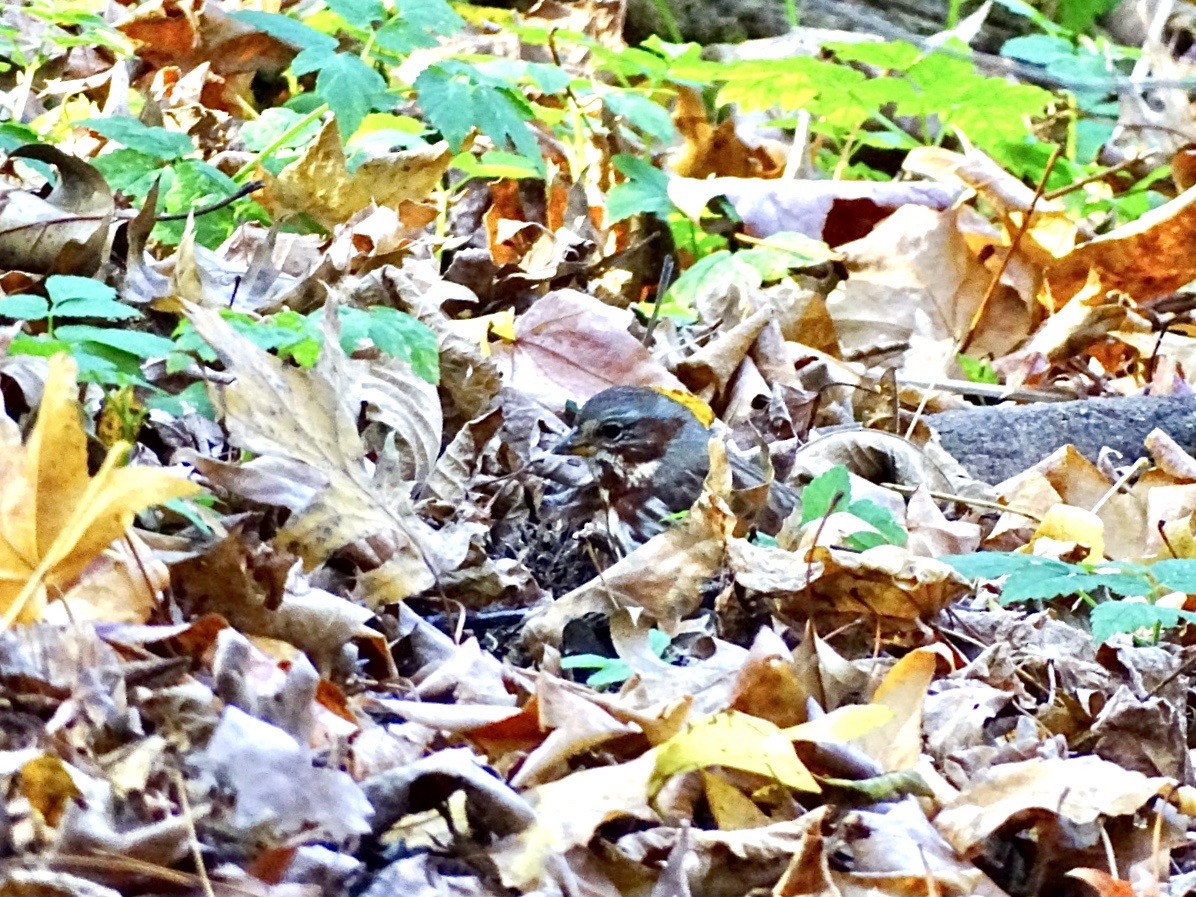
x: 862, y: 541
x: 192, y: 183
x: 405, y: 337
x: 437, y: 16
x: 456, y: 98
x: 495, y: 165
x: 350, y: 88
x: 642, y: 113
x: 358, y: 13
x: 39, y: 346
x: 14, y: 135
x: 128, y: 171
x: 977, y: 370
x: 106, y: 309
x: 826, y: 493
x: 261, y: 132
x: 1037, y: 587
x: 1037, y: 49
x: 995, y: 564
x: 1112, y: 617
x: 646, y: 190
x: 881, y: 519
x: 892, y: 56
x: 158, y: 143
x: 23, y: 307
x: 1178, y: 575
x: 716, y: 273
x: 287, y: 30
x: 134, y: 342
x: 83, y: 297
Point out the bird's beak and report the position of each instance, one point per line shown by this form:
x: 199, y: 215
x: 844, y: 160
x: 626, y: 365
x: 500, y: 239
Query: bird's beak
x: 575, y: 444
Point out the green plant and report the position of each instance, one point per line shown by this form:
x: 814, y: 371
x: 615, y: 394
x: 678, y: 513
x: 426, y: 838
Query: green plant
x: 830, y: 493
x: 105, y: 355
x: 1027, y: 578
x: 155, y: 154
x: 299, y: 337
x: 612, y: 670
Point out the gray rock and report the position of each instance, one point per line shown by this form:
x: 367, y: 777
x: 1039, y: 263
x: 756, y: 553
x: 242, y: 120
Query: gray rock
x: 994, y: 443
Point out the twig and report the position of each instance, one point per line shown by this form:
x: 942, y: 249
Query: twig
x: 1017, y: 239
x: 1091, y: 179
x: 1117, y: 487
x: 963, y: 500
x: 196, y: 852
x: 242, y: 192
x: 662, y: 286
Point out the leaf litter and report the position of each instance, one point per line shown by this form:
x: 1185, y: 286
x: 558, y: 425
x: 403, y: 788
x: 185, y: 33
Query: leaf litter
x: 298, y: 600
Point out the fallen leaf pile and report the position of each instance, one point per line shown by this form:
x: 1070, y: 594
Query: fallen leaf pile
x: 298, y: 600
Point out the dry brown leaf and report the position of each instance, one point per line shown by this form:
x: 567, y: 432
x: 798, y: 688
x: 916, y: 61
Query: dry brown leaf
x: 1079, y: 789
x: 897, y: 744
x: 569, y: 346
x: 885, y: 586
x: 254, y: 588
x: 834, y: 211
x: 65, y: 233
x: 1146, y: 258
x: 915, y: 275
x: 276, y: 409
x: 319, y: 184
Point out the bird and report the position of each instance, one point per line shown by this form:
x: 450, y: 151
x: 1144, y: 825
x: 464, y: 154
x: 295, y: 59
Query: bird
x: 648, y: 455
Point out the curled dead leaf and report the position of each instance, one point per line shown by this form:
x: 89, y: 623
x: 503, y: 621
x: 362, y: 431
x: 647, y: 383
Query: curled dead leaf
x: 65, y: 233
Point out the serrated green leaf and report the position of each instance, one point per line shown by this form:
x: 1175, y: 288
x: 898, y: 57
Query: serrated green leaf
x: 66, y: 287
x: 128, y: 171
x: 189, y: 184
x: 1176, y: 575
x: 456, y: 98
x: 158, y: 143
x: 642, y: 113
x: 995, y: 564
x: 436, y: 17
x: 286, y: 29
x: 1026, y: 586
x: 358, y: 13
x: 405, y: 337
x: 272, y: 124
x: 645, y: 192
x: 1112, y: 617
x: 826, y: 493
x: 23, y: 307
x: 350, y: 88
x: 106, y: 309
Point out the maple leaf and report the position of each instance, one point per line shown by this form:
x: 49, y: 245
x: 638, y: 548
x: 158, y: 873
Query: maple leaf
x: 55, y: 519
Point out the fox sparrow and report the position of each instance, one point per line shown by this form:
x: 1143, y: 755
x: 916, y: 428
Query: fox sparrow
x: 648, y: 456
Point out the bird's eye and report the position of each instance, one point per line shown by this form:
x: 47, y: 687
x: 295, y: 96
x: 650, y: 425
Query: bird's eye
x: 610, y: 430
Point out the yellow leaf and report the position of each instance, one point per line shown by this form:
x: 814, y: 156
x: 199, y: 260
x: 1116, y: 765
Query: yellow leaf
x: 1067, y: 523
x: 319, y: 182
x: 54, y: 518
x: 898, y: 743
x: 731, y: 808
x: 47, y: 784
x: 736, y: 741
x: 842, y: 724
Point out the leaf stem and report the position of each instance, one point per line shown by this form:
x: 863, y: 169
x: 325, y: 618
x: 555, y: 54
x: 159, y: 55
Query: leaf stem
x: 279, y: 142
